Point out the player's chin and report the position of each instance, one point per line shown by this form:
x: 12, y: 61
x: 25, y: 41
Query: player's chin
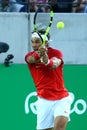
x: 35, y: 49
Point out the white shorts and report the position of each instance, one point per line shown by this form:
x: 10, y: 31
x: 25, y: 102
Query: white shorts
x: 47, y: 110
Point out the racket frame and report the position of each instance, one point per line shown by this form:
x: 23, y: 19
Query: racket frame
x: 47, y: 29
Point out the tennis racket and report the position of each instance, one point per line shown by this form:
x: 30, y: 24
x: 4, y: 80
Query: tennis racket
x: 43, y: 21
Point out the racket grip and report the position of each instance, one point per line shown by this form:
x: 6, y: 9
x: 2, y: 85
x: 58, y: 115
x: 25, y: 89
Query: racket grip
x: 41, y: 59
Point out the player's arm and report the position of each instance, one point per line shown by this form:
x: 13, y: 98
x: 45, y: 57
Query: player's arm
x: 52, y: 63
x: 33, y: 58
x: 36, y: 56
x: 56, y: 62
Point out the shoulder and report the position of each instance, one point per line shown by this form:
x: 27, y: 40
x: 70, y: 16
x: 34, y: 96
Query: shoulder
x: 28, y: 54
x: 55, y: 50
x: 55, y: 53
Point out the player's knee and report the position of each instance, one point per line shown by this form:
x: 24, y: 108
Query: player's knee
x: 59, y: 127
x: 60, y: 124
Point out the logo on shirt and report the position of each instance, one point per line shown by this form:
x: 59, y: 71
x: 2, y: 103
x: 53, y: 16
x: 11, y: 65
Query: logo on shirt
x: 37, y: 66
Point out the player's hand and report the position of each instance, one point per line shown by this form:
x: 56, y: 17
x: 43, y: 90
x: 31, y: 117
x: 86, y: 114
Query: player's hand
x: 42, y: 51
x: 45, y: 58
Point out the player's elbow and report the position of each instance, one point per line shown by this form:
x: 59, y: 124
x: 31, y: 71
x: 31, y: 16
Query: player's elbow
x: 30, y: 60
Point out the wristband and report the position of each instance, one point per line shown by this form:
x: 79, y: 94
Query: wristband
x: 36, y: 56
x: 49, y: 63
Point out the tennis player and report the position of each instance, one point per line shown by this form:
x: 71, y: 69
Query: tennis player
x: 54, y: 101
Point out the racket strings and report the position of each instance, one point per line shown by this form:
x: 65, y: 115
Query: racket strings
x: 43, y: 21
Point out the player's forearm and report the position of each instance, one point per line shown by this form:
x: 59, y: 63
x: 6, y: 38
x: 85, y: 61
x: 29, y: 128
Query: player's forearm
x: 36, y: 55
x: 33, y: 58
x: 56, y: 62
x: 53, y: 62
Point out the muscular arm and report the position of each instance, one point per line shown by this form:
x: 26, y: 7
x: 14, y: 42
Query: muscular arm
x: 56, y: 62
x: 33, y: 58
x: 41, y: 54
x: 36, y: 56
x: 52, y: 63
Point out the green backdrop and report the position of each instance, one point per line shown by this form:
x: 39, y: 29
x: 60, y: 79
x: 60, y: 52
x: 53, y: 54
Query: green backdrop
x: 16, y: 85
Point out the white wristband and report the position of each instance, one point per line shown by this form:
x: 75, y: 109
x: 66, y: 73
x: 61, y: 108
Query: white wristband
x: 47, y: 62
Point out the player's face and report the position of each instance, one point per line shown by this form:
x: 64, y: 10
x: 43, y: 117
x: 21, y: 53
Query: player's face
x: 36, y: 43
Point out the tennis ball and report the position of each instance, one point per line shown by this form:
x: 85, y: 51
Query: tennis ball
x: 60, y: 25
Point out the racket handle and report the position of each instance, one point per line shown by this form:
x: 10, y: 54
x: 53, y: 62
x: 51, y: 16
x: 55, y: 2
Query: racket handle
x: 41, y: 59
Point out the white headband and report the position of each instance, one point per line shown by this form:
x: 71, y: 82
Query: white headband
x: 37, y: 36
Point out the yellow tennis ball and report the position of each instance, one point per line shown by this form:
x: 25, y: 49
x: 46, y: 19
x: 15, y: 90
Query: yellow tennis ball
x: 60, y: 25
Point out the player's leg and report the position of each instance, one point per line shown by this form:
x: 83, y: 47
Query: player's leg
x: 61, y: 113
x: 60, y: 123
x: 45, y: 118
